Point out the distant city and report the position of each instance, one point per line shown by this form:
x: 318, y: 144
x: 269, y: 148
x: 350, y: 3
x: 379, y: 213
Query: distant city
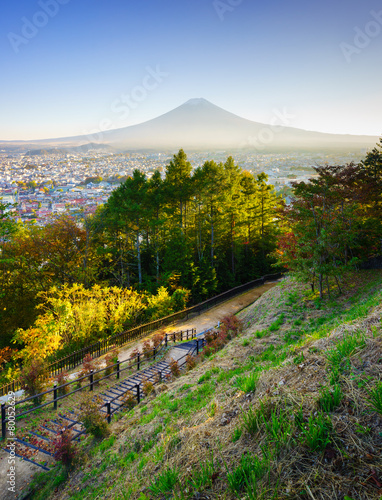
x: 42, y: 186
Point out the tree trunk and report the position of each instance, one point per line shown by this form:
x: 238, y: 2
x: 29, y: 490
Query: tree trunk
x: 320, y: 280
x: 139, y: 260
x: 212, y: 238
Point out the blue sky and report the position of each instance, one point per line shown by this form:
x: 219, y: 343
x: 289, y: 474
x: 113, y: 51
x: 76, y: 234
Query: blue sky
x: 68, y: 67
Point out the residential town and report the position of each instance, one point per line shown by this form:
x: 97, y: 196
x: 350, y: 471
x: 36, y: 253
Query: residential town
x: 42, y: 185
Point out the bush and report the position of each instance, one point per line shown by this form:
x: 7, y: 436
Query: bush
x: 147, y: 386
x: 174, y: 368
x: 231, y: 326
x: 65, y: 450
x: 157, y: 339
x: 33, y: 377
x: 88, y: 364
x: 190, y: 362
x: 111, y: 359
x: 129, y: 399
x: 211, y: 336
x: 91, y: 417
x: 135, y: 353
x: 147, y: 349
x: 62, y: 379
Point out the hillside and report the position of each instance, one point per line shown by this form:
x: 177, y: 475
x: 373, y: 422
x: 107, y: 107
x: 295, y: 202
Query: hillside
x: 283, y: 411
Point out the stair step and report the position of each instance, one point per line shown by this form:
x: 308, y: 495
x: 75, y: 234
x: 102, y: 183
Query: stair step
x: 28, y: 460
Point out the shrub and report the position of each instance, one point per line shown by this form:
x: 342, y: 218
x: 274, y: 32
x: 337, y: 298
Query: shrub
x: 111, y: 359
x: 65, y: 450
x: 190, y: 362
x: 135, y: 353
x: 87, y: 364
x: 147, y: 386
x: 6, y: 355
x: 210, y: 336
x: 91, y: 417
x: 157, y: 339
x: 231, y: 326
x: 33, y: 377
x: 147, y: 349
x: 174, y: 368
x: 129, y: 399
x: 62, y: 379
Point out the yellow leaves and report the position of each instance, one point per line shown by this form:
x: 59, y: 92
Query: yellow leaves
x: 75, y: 314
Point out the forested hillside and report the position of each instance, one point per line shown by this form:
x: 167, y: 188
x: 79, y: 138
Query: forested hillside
x: 177, y: 238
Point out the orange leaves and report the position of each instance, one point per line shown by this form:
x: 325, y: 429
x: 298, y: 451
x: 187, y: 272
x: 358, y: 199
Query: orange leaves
x: 6, y: 354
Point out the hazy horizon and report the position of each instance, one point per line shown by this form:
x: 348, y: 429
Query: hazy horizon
x: 77, y: 68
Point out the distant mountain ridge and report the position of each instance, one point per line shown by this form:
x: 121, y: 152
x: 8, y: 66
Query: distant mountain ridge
x: 199, y: 124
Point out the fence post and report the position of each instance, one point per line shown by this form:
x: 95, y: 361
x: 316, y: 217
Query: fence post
x: 91, y: 380
x: 160, y: 376
x: 166, y: 341
x: 174, y: 338
x: 3, y: 423
x: 197, y: 346
x: 108, y: 408
x: 138, y: 394
x: 55, y: 396
x: 155, y: 352
x: 138, y: 361
x: 181, y: 335
x: 118, y: 369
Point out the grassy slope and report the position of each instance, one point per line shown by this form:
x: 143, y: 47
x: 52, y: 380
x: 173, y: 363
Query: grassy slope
x: 281, y: 412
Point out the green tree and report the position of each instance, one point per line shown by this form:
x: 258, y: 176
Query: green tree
x: 323, y: 226
x: 128, y: 205
x: 178, y: 187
